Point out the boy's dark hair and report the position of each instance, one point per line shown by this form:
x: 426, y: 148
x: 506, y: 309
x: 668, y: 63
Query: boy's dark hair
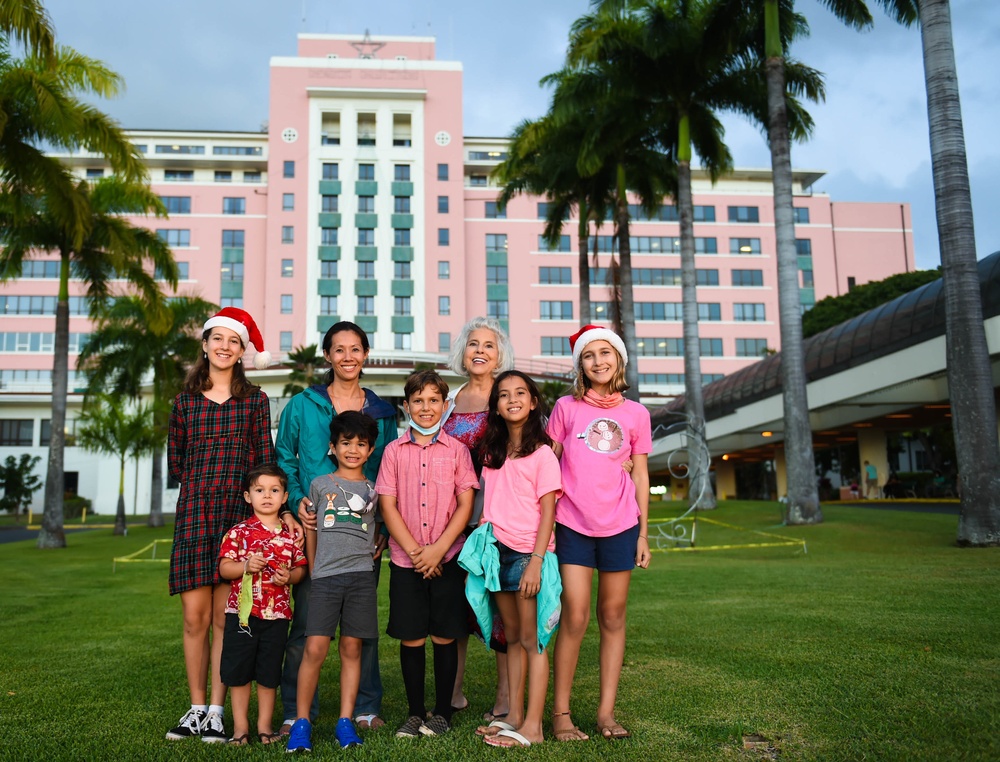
x: 267, y: 469
x: 416, y: 382
x: 354, y: 423
x: 493, y: 447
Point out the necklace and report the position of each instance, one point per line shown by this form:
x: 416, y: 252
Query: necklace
x: 354, y: 401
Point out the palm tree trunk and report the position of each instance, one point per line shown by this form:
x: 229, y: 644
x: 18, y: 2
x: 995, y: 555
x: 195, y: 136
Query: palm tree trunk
x: 120, y: 513
x: 803, y: 498
x: 970, y: 383
x: 699, y: 463
x: 52, y: 534
x: 583, y: 264
x: 625, y: 283
x: 156, y: 496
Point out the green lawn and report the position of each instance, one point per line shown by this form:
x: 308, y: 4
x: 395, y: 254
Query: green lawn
x: 880, y: 643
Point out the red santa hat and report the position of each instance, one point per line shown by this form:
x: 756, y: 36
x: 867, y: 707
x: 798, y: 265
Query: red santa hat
x: 240, y: 321
x: 579, y: 341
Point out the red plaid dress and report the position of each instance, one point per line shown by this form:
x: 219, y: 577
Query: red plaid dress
x: 210, y: 450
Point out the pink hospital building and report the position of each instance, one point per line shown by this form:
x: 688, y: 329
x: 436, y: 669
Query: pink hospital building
x: 366, y: 201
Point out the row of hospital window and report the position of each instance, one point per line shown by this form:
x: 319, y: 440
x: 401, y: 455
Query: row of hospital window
x: 20, y: 432
x: 650, y: 276
x: 652, y: 244
x: 558, y: 346
x: 669, y: 213
x: 26, y: 341
x: 664, y: 311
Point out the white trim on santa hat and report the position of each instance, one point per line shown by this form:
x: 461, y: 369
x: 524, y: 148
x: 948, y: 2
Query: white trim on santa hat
x: 598, y: 333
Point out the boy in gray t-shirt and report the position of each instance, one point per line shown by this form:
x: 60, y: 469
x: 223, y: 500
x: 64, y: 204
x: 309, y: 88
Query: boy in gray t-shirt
x: 340, y: 552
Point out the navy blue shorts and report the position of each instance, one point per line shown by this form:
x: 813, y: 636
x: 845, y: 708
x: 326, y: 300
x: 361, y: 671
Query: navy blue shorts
x: 608, y: 554
x: 512, y: 566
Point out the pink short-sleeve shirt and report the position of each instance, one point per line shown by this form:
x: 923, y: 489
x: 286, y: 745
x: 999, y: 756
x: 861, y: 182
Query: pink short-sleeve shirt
x: 513, y: 492
x: 598, y: 496
x: 426, y: 481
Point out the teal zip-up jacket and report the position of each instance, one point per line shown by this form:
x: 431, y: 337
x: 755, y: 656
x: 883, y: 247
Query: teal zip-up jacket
x: 481, y: 559
x: 303, y: 441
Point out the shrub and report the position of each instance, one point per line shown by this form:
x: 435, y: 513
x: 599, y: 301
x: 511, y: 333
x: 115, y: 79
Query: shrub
x: 73, y: 506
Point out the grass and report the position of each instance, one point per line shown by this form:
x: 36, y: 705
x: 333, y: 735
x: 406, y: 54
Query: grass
x: 879, y: 644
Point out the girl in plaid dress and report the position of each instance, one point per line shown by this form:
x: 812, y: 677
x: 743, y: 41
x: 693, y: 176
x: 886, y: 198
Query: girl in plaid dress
x: 220, y: 428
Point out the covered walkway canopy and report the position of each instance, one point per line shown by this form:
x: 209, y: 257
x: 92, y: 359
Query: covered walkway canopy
x: 884, y: 368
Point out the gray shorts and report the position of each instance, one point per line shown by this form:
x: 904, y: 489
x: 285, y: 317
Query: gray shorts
x: 350, y: 600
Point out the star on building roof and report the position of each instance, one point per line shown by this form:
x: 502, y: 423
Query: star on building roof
x: 366, y: 48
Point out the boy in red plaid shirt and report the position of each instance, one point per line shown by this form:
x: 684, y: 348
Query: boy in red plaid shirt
x: 259, y: 552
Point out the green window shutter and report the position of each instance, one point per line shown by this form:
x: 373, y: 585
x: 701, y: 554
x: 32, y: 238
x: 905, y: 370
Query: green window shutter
x: 402, y: 324
x: 365, y: 287
x: 328, y: 287
x: 402, y: 288
x: 367, y: 323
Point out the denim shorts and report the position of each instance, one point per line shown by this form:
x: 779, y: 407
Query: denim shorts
x: 512, y: 566
x: 607, y: 554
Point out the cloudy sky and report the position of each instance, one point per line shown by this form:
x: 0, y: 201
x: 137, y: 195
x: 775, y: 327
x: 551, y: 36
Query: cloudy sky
x: 204, y: 65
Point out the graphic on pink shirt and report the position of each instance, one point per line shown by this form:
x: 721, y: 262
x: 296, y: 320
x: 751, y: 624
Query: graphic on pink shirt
x: 603, y: 435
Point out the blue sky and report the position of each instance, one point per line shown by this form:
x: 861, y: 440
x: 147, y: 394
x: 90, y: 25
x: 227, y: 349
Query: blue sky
x: 204, y: 65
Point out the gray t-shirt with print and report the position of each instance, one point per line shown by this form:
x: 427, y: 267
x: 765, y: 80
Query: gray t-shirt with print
x: 345, y: 524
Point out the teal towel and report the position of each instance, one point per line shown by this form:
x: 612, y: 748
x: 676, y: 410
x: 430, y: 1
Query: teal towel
x: 481, y: 559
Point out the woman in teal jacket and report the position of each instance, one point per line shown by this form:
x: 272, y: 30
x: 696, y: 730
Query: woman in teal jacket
x: 303, y: 446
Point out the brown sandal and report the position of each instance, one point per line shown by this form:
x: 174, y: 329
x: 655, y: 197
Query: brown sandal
x: 571, y: 734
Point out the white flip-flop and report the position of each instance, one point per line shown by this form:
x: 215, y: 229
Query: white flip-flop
x: 497, y: 724
x: 521, y: 740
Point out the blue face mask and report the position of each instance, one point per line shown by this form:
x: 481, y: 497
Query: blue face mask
x: 426, y: 432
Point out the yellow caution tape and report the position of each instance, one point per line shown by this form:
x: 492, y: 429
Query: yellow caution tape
x: 132, y: 558
x: 783, y: 541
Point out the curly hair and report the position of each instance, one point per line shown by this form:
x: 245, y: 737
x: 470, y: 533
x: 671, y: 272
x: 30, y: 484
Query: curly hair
x: 505, y: 350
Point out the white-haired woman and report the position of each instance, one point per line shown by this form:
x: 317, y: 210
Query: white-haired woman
x: 481, y: 352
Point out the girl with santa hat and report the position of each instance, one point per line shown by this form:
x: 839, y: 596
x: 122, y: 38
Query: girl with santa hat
x: 220, y: 428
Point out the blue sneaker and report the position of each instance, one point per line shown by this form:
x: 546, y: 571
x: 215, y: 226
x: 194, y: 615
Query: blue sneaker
x: 300, y: 738
x: 347, y: 736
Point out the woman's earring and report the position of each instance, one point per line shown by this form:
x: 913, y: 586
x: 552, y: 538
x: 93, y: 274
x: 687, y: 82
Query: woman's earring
x: 205, y: 355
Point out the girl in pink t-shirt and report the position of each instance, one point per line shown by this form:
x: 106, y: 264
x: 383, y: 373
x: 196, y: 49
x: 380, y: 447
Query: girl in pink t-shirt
x: 522, y: 479
x: 601, y: 517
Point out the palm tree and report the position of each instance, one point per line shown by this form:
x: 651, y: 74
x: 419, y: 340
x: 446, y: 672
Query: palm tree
x: 40, y: 107
x: 618, y: 149
x: 773, y: 18
x: 305, y: 362
x: 106, y: 427
x: 542, y: 161
x: 111, y: 249
x: 970, y: 382
x: 131, y: 345
x: 27, y: 23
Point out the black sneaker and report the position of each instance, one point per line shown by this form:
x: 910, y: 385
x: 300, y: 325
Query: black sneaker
x: 189, y: 726
x: 411, y: 728
x: 435, y: 725
x: 212, y: 729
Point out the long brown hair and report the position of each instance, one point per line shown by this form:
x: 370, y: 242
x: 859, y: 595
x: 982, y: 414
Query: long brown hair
x: 198, y: 379
x: 493, y: 448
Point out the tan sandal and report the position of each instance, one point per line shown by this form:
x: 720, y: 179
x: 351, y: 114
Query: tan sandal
x: 570, y: 734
